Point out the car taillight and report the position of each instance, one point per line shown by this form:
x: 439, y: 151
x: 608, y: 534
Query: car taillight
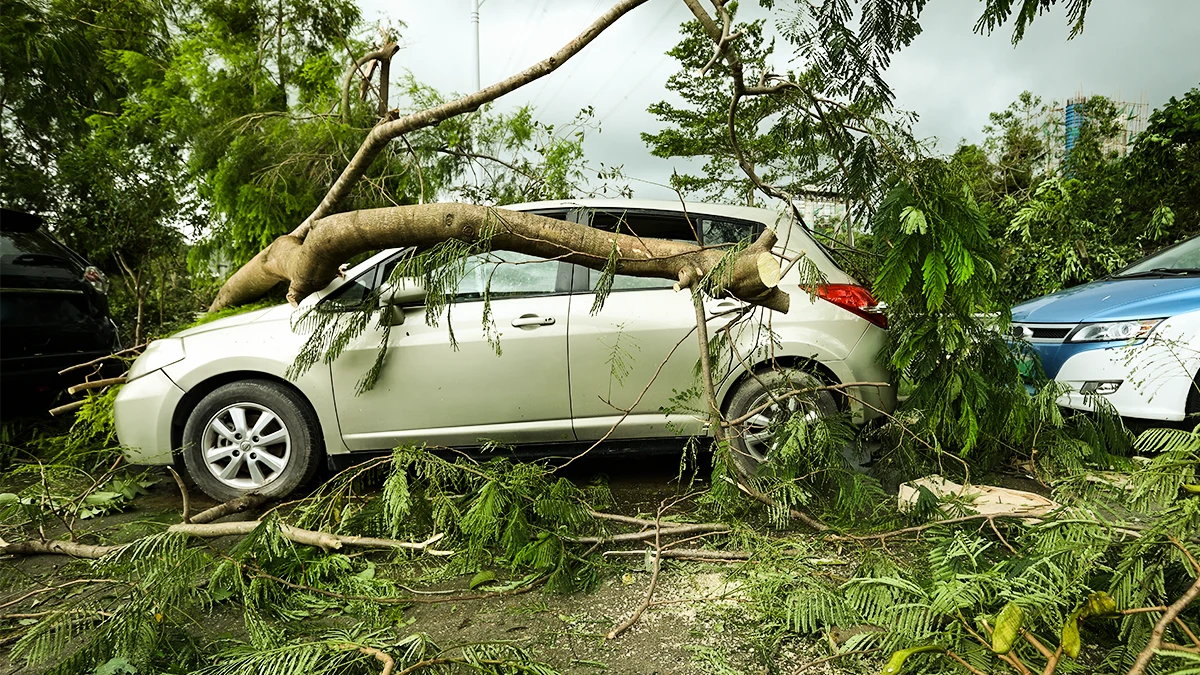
x: 853, y: 298
x: 96, y: 278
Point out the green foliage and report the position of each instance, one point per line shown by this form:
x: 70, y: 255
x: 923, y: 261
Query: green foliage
x: 498, y: 513
x: 1065, y: 219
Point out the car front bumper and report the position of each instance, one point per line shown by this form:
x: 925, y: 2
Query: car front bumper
x: 143, y: 411
x: 1154, y: 380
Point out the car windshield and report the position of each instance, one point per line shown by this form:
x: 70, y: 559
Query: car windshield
x: 1180, y: 259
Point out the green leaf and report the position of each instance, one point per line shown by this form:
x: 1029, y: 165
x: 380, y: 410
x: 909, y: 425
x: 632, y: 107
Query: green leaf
x: 896, y: 663
x: 368, y: 573
x: 1008, y: 627
x: 913, y: 220
x: 116, y: 666
x: 481, y: 578
x: 1070, y: 642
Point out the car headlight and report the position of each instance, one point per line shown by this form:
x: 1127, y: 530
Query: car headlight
x: 158, y: 354
x: 1113, y: 331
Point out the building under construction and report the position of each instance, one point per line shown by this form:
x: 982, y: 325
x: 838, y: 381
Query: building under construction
x: 1062, y: 125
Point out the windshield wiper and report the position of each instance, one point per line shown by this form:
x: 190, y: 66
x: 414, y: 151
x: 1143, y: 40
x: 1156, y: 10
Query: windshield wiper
x: 1161, y: 272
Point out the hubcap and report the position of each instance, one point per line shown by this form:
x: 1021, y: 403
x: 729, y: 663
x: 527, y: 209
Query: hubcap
x: 760, y: 433
x: 246, y: 446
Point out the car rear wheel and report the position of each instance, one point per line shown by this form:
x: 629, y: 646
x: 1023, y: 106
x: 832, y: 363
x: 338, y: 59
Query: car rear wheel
x: 761, y: 400
x: 251, y: 436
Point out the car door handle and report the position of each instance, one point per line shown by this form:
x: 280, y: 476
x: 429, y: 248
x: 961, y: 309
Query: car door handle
x: 532, y: 320
x: 724, y: 307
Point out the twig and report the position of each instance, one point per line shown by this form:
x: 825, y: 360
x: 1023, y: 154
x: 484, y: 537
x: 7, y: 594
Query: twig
x: 69, y: 407
x: 766, y: 499
x: 827, y: 659
x: 97, y: 384
x: 93, y: 362
x: 963, y: 663
x: 236, y: 505
x: 388, y: 662
x: 666, y: 532
x: 1179, y: 545
x: 627, y: 412
x: 637, y: 613
x: 183, y: 492
x: 49, y: 589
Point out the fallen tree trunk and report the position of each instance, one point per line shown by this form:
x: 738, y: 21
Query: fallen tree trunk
x: 309, y: 265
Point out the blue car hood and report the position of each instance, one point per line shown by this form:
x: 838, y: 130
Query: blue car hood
x: 1113, y: 300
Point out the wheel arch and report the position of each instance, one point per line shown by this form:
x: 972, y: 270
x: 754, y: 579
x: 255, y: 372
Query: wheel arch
x: 197, y: 393
x: 793, y: 362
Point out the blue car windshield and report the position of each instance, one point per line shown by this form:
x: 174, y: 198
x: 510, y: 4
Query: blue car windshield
x: 1178, y: 260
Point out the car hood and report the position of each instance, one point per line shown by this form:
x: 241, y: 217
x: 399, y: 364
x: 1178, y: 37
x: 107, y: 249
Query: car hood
x: 275, y: 313
x: 1113, y: 300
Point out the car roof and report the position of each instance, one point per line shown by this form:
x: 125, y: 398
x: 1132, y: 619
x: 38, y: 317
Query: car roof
x: 771, y: 216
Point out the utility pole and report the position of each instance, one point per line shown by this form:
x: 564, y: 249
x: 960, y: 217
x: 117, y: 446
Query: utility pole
x: 475, y: 5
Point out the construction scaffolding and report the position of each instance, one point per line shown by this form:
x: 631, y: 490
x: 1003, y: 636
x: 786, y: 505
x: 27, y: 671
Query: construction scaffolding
x: 1062, y: 124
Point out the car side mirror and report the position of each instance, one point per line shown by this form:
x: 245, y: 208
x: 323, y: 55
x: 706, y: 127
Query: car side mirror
x: 393, y: 297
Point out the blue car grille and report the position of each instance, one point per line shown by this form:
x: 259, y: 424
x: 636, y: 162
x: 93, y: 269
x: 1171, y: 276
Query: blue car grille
x: 1041, y: 332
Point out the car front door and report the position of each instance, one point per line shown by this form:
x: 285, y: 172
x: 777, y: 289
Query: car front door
x: 507, y: 385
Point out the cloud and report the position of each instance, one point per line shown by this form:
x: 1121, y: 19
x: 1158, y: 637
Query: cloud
x: 951, y: 77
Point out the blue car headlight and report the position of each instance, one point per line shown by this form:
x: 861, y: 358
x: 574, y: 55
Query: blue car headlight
x: 1113, y: 331
x: 158, y: 354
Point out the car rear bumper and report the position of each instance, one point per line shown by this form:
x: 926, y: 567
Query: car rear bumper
x: 865, y: 365
x: 143, y: 410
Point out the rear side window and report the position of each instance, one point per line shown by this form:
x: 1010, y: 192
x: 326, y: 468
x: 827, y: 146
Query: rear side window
x: 711, y: 230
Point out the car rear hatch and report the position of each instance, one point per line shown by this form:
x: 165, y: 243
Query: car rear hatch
x: 46, y: 306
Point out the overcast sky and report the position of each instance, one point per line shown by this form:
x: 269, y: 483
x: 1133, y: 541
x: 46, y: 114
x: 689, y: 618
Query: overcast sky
x: 1130, y: 49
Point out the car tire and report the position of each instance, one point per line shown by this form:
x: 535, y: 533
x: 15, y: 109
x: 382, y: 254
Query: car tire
x: 750, y: 442
x: 251, y: 436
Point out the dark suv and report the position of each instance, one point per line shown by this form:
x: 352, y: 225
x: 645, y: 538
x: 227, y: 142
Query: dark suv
x: 53, y: 313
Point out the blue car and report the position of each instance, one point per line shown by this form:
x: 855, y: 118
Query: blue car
x: 1132, y: 337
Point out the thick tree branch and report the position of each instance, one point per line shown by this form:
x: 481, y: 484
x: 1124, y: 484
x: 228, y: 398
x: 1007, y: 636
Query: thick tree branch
x: 252, y: 281
x: 311, y: 264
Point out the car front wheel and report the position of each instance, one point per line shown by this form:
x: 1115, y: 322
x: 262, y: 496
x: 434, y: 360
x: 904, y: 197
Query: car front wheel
x: 763, y: 404
x: 251, y: 436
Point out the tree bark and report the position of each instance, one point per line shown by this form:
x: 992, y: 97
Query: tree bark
x: 384, y: 55
x: 253, y: 280
x: 309, y: 265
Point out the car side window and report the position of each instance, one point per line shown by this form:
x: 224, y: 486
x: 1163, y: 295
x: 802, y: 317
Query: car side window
x: 625, y: 282
x: 712, y: 230
x: 505, y: 274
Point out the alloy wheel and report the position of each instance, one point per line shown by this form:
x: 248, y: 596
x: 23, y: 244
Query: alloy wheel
x: 246, y: 446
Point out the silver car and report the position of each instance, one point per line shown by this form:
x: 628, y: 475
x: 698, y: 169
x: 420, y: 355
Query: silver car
x: 218, y: 394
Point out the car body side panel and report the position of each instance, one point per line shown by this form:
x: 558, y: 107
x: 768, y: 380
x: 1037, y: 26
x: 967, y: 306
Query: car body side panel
x: 264, y: 346
x: 430, y: 392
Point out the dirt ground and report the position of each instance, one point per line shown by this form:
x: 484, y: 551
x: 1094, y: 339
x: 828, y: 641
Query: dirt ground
x: 698, y: 625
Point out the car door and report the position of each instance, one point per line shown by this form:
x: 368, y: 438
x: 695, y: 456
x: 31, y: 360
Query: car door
x: 510, y: 388
x: 640, y: 350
